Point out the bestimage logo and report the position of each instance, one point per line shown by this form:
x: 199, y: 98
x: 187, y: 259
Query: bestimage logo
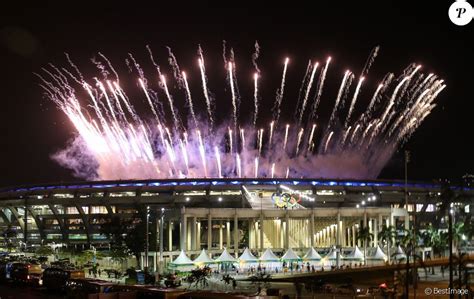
x: 461, y: 12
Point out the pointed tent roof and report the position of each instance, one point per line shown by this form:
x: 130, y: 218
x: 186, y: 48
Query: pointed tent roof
x: 379, y: 254
x: 225, y: 257
x: 247, y: 256
x: 312, y: 255
x: 182, y: 260
x: 269, y: 256
x: 332, y: 255
x: 356, y: 254
x: 290, y: 255
x: 399, y: 253
x: 203, y: 258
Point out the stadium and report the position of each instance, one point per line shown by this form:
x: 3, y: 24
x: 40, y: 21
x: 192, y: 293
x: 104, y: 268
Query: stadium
x: 218, y: 214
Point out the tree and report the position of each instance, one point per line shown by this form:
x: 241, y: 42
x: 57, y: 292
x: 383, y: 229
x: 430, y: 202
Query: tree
x: 44, y: 251
x: 364, y: 235
x: 10, y: 236
x: 128, y: 233
x: 386, y: 235
x: 199, y: 276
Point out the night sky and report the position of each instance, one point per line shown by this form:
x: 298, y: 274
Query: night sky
x: 32, y: 128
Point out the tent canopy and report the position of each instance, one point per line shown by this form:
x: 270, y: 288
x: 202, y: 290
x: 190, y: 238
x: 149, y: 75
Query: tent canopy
x: 332, y: 255
x: 203, y: 258
x: 399, y: 253
x: 269, y: 256
x: 312, y: 255
x: 247, y: 257
x: 182, y: 260
x: 225, y: 257
x: 379, y: 254
x: 355, y: 255
x: 290, y: 255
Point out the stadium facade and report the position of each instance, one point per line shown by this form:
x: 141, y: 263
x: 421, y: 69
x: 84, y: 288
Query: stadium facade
x: 192, y: 214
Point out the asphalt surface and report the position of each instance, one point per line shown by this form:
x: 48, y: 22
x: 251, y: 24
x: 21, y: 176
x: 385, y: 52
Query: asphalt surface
x: 21, y: 292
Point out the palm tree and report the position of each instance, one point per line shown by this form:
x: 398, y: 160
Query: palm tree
x: 364, y: 235
x: 386, y: 235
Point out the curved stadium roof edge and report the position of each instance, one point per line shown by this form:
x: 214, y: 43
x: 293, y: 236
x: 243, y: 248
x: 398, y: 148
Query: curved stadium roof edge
x: 202, y: 182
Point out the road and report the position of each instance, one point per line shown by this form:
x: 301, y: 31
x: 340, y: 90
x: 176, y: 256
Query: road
x: 22, y: 292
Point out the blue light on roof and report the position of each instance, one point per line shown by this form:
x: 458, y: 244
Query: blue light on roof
x: 255, y: 182
x: 235, y: 182
x: 104, y: 186
x: 154, y: 184
x: 332, y: 183
x: 214, y: 183
x: 296, y: 183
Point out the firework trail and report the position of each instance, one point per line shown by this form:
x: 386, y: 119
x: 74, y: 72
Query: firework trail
x: 177, y: 74
x: 308, y: 89
x: 319, y: 92
x: 234, y: 97
x: 255, y: 99
x: 115, y: 142
x: 304, y: 83
x: 190, y: 100
x: 370, y: 61
x: 280, y: 93
x: 354, y: 99
x: 205, y: 89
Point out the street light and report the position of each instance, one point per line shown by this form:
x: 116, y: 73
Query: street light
x: 146, y: 238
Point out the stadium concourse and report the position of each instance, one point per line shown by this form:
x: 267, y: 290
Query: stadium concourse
x: 214, y: 214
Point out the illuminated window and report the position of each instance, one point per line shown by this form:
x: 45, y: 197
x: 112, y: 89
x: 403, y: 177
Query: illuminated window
x: 63, y: 195
x: 77, y: 237
x: 121, y: 194
x: 150, y: 194
x: 98, y: 210
x: 54, y: 236
x: 71, y: 211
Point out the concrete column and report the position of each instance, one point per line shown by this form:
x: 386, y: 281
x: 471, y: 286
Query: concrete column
x: 338, y: 229
x: 221, y: 235
x: 193, y: 233
x: 183, y: 229
x: 236, y: 235
x: 311, y: 230
x: 251, y: 233
x: 288, y: 228
x: 170, y: 236
x: 261, y: 231
x: 376, y: 232
x: 227, y: 239
x: 365, y: 218
x: 354, y: 236
x: 209, y: 231
x: 198, y: 235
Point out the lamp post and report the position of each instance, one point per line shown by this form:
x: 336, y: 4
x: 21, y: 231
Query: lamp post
x: 146, y: 238
x: 162, y: 222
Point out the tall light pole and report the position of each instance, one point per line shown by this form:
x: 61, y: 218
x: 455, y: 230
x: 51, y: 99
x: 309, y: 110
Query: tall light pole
x: 407, y: 160
x: 146, y: 238
x: 162, y: 222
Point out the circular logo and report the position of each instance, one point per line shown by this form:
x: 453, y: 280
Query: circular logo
x: 460, y: 12
x: 428, y: 291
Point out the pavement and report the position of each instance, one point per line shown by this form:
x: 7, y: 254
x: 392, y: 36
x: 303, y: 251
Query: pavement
x: 9, y: 291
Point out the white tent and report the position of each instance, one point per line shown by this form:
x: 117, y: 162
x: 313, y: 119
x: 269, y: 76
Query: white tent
x: 182, y: 262
x: 355, y: 255
x: 203, y: 259
x: 378, y: 255
x: 269, y: 259
x: 399, y: 253
x: 332, y: 255
x: 312, y: 255
x: 290, y: 255
x: 225, y: 257
x: 247, y: 259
